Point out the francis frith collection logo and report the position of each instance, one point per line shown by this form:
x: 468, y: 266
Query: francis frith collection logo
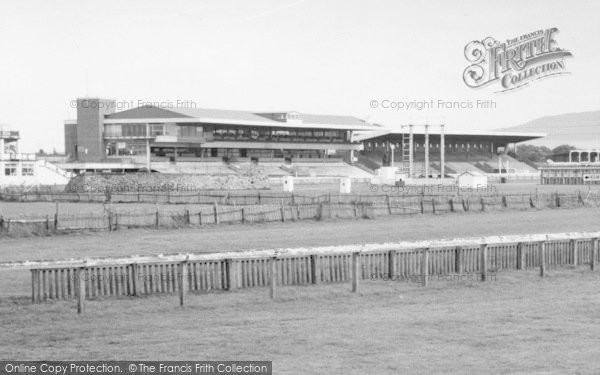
x: 516, y: 62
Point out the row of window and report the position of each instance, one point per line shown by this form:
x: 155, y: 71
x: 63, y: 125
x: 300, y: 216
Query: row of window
x: 139, y: 130
x: 476, y: 146
x: 10, y: 169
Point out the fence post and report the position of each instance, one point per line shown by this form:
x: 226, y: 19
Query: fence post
x: 573, y: 249
x: 216, y: 212
x: 34, y: 277
x: 315, y: 269
x: 229, y: 273
x: 593, y: 252
x: 355, y: 271
x: 542, y: 250
x: 483, y: 259
x: 273, y: 289
x: 182, y: 281
x: 520, y: 256
x: 80, y: 285
x: 389, y: 206
x: 425, y: 266
x: 457, y: 260
x: 392, y: 259
x: 134, y: 279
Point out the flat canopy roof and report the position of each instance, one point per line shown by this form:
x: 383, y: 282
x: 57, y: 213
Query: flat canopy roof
x: 434, y: 131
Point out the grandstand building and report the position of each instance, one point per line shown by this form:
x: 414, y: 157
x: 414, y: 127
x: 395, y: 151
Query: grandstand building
x: 575, y: 167
x: 147, y: 134
x: 437, y: 151
x: 208, y: 141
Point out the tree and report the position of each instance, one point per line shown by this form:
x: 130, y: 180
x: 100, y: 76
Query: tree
x: 536, y: 154
x: 563, y: 149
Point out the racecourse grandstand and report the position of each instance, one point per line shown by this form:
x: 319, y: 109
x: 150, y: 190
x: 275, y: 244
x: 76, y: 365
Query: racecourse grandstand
x: 431, y: 149
x: 277, y: 144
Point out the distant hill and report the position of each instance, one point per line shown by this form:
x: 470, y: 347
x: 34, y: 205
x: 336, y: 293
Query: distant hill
x: 578, y: 129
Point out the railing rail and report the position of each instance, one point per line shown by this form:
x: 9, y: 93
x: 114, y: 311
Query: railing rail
x: 418, y: 261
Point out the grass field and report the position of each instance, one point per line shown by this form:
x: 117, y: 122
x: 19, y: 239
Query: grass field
x: 517, y: 324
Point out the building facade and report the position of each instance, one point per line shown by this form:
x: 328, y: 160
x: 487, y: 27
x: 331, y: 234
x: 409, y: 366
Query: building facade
x: 146, y: 134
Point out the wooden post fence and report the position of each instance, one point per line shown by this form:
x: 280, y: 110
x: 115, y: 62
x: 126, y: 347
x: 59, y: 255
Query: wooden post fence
x: 216, y: 212
x: 593, y: 251
x: 135, y: 274
x: 315, y: 269
x: 80, y: 285
x: 392, y: 259
x: 425, y: 266
x: 355, y: 271
x: 483, y: 258
x: 273, y: 289
x: 542, y: 255
x: 182, y: 281
x: 520, y: 257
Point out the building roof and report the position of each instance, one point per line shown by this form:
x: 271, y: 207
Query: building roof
x: 419, y: 132
x: 243, y: 118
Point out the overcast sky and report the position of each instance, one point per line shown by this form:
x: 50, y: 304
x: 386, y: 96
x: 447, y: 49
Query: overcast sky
x: 312, y: 56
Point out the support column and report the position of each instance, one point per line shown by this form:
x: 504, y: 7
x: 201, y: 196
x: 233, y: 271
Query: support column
x: 410, y: 151
x: 148, y: 147
x: 442, y: 152
x: 426, y: 152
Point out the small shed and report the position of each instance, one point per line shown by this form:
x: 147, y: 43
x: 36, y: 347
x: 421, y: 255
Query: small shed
x: 471, y: 179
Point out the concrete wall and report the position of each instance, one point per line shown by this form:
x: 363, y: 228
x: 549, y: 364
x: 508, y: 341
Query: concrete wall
x: 90, y: 128
x: 71, y: 139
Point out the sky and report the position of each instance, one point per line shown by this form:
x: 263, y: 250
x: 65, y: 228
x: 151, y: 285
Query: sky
x: 311, y: 56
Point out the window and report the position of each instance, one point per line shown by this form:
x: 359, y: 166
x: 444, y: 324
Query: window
x: 27, y: 169
x: 189, y: 131
x: 157, y: 129
x: 133, y: 130
x: 112, y: 130
x: 10, y: 169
